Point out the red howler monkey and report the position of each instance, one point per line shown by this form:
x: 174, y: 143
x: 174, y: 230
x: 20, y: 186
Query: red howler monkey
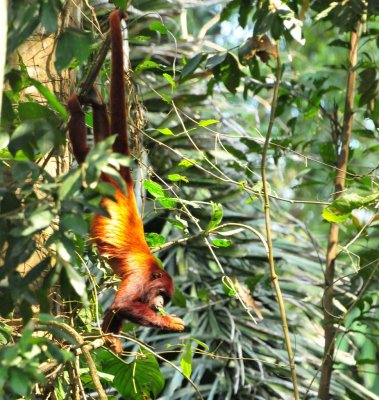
x: 120, y: 236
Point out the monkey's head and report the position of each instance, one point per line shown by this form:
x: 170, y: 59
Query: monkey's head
x: 160, y: 288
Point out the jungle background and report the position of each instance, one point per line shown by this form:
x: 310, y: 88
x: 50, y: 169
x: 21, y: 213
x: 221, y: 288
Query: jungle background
x: 254, y: 128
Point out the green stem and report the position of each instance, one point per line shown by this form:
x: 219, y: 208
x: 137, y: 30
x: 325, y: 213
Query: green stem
x: 273, y: 274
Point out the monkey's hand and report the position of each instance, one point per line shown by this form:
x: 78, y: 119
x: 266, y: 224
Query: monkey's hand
x: 173, y: 323
x: 113, y: 344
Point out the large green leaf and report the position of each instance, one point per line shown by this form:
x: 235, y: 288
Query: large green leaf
x: 139, y: 379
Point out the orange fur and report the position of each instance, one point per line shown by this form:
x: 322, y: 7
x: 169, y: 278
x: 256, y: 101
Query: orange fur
x: 119, y: 236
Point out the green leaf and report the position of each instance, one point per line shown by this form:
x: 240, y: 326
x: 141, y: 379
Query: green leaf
x: 72, y: 44
x: 179, y: 299
x: 227, y: 71
x: 99, y: 157
x: 140, y: 379
x: 351, y: 201
x: 341, y: 208
x: 329, y: 215
x: 177, y: 177
x: 32, y: 110
x: 76, y: 281
x: 25, y: 170
x: 166, y: 98
x: 106, y: 189
x: 5, y: 338
x: 140, y: 38
x: 187, y: 163
x: 166, y: 131
x: 18, y: 381
x: 216, y: 217
x: 155, y: 240
x: 33, y: 137
x: 169, y: 79
x: 192, y: 65
x: 49, y: 16
x: 52, y: 100
x: 200, y: 343
x: 147, y: 64
x: 178, y: 223
x: 252, y: 281
x: 154, y: 188
x: 38, y: 220
x: 158, y: 27
x: 229, y: 9
x: 244, y: 10
x: 71, y: 184
x: 9, y: 202
x: 221, y: 242
x: 7, y: 113
x: 229, y: 288
x: 75, y: 223
x: 120, y: 4
x: 186, y: 360
x: 167, y: 202
x: 216, y: 60
x: 208, y: 122
x: 36, y: 272
x: 339, y: 43
x: 23, y: 26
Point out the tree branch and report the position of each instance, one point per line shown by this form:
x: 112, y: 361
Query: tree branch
x: 85, y: 349
x: 342, y: 150
x: 266, y: 196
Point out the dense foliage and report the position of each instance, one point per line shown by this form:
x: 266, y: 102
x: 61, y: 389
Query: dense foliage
x: 201, y: 91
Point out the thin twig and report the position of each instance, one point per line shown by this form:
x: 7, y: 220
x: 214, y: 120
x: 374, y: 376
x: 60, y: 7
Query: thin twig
x: 273, y: 274
x: 273, y: 144
x: 214, y: 230
x: 227, y: 179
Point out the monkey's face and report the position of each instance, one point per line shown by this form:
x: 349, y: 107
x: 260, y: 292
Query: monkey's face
x: 161, y: 289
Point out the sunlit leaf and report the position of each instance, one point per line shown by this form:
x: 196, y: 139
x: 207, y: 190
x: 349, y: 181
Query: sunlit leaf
x: 216, y: 217
x: 154, y: 188
x: 166, y: 131
x: 177, y: 177
x: 186, y: 360
x: 158, y: 27
x: 329, y: 215
x: 147, y: 64
x: 155, y: 240
x: 187, y: 163
x: 169, y: 79
x: 208, y: 122
x: 221, y: 242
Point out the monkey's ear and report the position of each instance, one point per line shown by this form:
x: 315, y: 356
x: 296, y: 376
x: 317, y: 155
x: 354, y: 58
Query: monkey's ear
x: 156, y: 275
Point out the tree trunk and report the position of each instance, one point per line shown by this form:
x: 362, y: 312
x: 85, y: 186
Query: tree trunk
x: 342, y: 146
